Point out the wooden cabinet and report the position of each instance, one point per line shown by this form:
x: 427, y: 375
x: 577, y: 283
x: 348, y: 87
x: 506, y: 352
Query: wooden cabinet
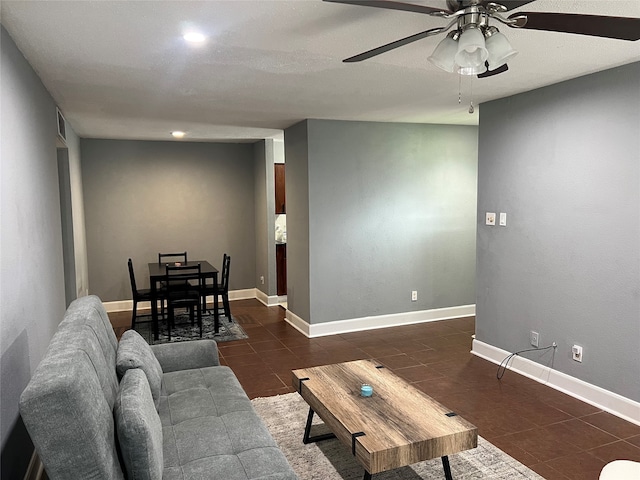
x: 281, y: 248
x: 281, y: 268
x: 281, y: 206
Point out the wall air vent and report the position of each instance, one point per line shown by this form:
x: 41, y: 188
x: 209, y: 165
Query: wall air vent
x: 62, y: 129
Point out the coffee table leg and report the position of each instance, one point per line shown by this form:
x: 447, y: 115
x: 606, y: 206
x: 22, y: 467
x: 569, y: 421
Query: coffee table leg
x: 307, y: 430
x: 447, y: 468
x: 445, y: 464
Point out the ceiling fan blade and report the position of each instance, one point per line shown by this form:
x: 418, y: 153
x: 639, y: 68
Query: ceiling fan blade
x: 390, y: 46
x: 622, y: 28
x: 491, y: 73
x: 508, y: 4
x: 407, y: 7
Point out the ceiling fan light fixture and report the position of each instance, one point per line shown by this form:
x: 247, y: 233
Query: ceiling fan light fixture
x: 472, y: 51
x: 444, y: 54
x: 475, y: 70
x: 499, y: 48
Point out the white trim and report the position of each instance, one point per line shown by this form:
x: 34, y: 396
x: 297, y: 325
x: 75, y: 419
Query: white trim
x: 296, y: 322
x: 35, y: 471
x: 124, y: 306
x: 378, y: 321
x: 127, y: 305
x: 245, y: 294
x: 270, y: 300
x: 61, y: 124
x: 262, y: 297
x: 598, y: 397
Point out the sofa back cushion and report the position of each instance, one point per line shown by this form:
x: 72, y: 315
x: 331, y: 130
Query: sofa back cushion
x: 90, y: 312
x: 67, y: 406
x: 139, y: 428
x: 86, y: 318
x: 134, y: 352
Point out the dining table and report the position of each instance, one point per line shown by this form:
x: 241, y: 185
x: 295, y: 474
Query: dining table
x: 158, y: 273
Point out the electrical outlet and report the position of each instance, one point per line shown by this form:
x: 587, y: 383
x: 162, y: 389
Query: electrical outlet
x: 534, y: 338
x: 576, y: 353
x: 490, y: 218
x: 262, y: 279
x: 414, y: 295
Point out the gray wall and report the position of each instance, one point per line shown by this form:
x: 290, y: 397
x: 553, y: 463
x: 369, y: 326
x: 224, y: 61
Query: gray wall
x: 144, y: 197
x: 265, y: 217
x: 297, y: 191
x: 564, y: 163
x: 31, y: 279
x: 391, y: 209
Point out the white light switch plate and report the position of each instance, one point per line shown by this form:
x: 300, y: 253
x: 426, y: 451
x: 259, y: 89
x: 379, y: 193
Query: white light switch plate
x: 503, y: 219
x: 490, y: 218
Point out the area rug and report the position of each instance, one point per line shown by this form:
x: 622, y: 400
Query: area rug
x: 285, y: 417
x: 183, y: 330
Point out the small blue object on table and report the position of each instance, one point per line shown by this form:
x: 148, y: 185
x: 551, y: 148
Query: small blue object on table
x: 366, y: 390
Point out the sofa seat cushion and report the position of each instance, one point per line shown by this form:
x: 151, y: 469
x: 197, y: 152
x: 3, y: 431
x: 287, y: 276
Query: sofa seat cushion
x: 208, y: 424
x: 259, y: 466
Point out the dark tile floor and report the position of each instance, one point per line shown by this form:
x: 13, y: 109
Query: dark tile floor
x: 554, y: 434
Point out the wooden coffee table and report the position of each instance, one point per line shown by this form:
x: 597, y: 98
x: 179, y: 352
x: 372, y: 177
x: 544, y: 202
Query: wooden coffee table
x: 399, y: 425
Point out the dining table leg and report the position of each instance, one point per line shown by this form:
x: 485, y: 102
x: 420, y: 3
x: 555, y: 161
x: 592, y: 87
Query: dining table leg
x: 216, y: 316
x: 154, y: 309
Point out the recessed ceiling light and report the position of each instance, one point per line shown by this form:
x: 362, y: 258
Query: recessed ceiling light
x: 194, y: 37
x: 178, y: 134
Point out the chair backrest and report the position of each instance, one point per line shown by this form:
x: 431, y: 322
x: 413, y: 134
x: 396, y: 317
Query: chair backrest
x: 172, y: 257
x: 132, y: 278
x: 177, y: 276
x: 224, y: 277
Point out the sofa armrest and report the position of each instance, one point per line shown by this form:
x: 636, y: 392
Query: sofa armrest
x: 186, y: 355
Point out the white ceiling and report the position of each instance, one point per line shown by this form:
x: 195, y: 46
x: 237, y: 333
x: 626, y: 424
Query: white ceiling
x: 120, y: 69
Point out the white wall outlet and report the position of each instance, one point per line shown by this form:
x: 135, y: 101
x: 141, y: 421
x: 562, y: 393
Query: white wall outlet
x: 262, y: 279
x: 414, y: 295
x: 503, y: 219
x: 534, y: 338
x: 576, y: 353
x: 490, y: 218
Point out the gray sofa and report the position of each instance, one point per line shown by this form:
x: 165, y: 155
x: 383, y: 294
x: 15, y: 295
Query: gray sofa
x: 97, y: 408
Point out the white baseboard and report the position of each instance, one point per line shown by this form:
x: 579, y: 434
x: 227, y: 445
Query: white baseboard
x: 270, y: 300
x: 262, y: 297
x: 127, y: 305
x: 124, y: 306
x: 378, y: 321
x: 598, y: 397
x: 35, y: 471
x: 245, y: 294
x: 297, y: 323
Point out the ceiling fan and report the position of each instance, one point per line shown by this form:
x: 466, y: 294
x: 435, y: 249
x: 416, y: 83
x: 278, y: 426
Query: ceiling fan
x: 474, y: 47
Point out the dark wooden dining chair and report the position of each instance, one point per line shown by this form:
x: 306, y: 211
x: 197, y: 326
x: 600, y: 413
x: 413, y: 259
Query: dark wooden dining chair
x: 139, y: 294
x: 183, y: 286
x: 221, y: 289
x: 180, y: 257
x: 173, y: 259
